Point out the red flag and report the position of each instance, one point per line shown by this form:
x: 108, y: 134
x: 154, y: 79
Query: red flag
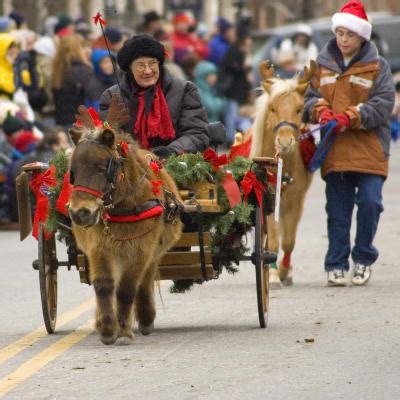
x: 97, y: 18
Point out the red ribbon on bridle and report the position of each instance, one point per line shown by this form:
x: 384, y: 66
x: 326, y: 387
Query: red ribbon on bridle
x: 95, y: 193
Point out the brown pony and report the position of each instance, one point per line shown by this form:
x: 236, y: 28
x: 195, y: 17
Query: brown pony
x: 113, y: 183
x: 276, y: 130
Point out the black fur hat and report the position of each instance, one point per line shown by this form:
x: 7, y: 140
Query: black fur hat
x: 139, y: 46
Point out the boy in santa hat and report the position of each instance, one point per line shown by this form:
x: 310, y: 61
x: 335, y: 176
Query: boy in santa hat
x: 353, y: 86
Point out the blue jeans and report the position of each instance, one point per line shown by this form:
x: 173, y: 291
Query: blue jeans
x: 343, y: 190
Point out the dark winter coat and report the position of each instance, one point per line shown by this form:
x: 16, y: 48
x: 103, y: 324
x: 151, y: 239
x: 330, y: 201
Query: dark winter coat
x: 232, y: 76
x: 188, y: 115
x: 77, y: 89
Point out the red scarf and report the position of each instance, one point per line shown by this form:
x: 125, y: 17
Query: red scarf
x: 156, y: 123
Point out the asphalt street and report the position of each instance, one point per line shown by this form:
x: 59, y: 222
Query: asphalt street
x: 320, y: 343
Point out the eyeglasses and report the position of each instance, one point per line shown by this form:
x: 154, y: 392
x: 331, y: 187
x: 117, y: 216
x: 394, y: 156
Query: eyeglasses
x: 141, y: 66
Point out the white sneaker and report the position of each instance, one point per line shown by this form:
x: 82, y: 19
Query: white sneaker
x: 336, y: 277
x: 361, y: 274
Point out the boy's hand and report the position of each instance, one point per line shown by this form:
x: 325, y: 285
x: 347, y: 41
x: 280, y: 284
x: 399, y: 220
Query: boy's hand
x: 342, y: 123
x: 326, y: 115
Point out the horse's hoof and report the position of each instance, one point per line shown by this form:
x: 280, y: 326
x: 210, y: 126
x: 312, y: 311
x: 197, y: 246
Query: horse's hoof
x: 286, y: 275
x: 146, y: 329
x: 107, y: 340
x: 288, y: 281
x: 125, y: 340
x: 274, y: 281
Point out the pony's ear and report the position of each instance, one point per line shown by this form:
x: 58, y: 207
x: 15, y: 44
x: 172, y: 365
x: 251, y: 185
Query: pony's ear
x: 84, y: 118
x: 107, y: 137
x: 304, y: 81
x: 118, y: 114
x: 267, y: 73
x: 75, y: 132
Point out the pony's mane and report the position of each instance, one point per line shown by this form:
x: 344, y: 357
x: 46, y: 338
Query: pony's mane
x: 279, y: 87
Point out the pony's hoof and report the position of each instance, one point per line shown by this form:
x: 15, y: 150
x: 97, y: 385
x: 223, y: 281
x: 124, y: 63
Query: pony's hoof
x: 274, y: 281
x: 146, y: 329
x: 107, y: 340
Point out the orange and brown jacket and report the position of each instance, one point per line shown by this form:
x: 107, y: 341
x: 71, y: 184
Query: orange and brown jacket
x: 365, y: 92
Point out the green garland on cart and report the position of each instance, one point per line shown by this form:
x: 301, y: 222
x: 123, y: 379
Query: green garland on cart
x: 55, y: 220
x: 228, y: 231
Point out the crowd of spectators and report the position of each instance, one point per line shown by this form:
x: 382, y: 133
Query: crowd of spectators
x: 45, y: 76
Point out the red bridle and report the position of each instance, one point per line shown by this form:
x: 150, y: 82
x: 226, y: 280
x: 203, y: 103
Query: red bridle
x: 95, y: 193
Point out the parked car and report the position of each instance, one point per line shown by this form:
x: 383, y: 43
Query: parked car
x: 385, y: 25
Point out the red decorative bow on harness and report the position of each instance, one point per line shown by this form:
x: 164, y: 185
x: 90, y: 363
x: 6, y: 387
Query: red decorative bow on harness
x: 40, y: 184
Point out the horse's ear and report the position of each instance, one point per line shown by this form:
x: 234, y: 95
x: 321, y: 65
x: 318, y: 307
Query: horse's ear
x: 75, y: 132
x: 118, y: 114
x: 267, y: 73
x: 107, y: 137
x: 84, y: 118
x: 304, y: 81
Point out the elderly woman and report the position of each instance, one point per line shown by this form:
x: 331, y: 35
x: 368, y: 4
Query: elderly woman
x: 167, y: 114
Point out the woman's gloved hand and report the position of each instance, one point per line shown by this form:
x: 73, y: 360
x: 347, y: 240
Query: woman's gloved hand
x: 162, y: 152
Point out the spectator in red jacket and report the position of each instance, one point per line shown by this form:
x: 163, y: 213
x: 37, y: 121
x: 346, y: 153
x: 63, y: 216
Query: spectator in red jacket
x: 187, y: 44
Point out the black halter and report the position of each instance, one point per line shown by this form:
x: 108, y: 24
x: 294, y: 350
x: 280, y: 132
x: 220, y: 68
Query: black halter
x: 285, y: 123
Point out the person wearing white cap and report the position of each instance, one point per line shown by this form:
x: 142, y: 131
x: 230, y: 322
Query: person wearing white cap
x: 353, y: 86
x: 301, y: 46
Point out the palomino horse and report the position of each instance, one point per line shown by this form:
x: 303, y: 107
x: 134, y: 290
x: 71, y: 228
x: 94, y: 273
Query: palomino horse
x: 276, y: 130
x: 119, y: 221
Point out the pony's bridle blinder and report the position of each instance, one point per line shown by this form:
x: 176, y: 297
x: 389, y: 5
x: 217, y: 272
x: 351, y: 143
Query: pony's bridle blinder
x: 113, y: 168
x: 285, y: 123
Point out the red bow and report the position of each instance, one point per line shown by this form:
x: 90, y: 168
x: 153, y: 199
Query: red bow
x: 155, y: 167
x: 249, y: 184
x: 156, y: 186
x: 65, y: 195
x: 40, y: 183
x: 124, y: 148
x: 97, y: 18
x: 212, y: 157
x: 95, y: 117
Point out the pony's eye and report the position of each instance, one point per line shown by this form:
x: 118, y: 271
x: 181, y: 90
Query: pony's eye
x: 299, y: 110
x: 272, y: 109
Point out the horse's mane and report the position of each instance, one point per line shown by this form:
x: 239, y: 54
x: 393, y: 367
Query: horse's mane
x: 279, y: 87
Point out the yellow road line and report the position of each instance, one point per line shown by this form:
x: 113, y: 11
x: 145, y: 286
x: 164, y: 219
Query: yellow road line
x: 33, y: 365
x: 14, y: 348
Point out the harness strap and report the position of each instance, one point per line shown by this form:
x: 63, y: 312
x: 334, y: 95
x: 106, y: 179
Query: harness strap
x: 95, y: 193
x: 151, y: 212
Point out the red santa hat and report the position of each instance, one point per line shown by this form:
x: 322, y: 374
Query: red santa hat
x: 352, y: 16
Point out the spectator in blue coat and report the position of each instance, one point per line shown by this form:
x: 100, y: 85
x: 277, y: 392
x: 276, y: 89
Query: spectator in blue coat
x: 220, y: 43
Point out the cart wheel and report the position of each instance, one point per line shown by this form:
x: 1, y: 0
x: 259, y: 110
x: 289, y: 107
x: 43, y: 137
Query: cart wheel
x: 262, y: 270
x: 48, y: 265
